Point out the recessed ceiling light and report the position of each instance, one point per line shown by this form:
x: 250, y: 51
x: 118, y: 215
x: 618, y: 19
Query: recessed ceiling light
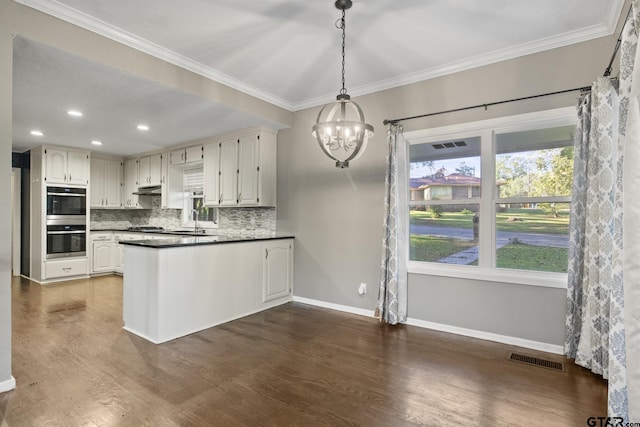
x: 74, y: 113
x: 96, y: 142
x: 37, y: 133
x: 143, y: 127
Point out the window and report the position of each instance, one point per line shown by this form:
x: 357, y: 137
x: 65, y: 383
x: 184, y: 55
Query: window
x: 445, y: 186
x: 193, y: 184
x: 491, y: 200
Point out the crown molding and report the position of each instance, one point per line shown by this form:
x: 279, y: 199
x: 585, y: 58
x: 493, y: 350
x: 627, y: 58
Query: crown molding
x: 496, y: 56
x: 83, y: 20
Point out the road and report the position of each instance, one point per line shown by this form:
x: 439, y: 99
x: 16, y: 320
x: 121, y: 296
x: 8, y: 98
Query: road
x: 502, y: 238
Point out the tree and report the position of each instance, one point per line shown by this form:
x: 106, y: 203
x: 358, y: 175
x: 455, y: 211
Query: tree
x: 424, y: 164
x: 556, y: 178
x: 514, y: 173
x: 463, y: 169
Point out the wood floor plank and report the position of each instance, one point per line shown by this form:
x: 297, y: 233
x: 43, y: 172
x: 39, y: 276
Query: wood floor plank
x: 292, y: 365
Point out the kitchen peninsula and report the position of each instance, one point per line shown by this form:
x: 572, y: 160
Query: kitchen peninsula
x: 177, y: 286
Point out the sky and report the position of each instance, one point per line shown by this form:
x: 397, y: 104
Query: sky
x: 449, y: 165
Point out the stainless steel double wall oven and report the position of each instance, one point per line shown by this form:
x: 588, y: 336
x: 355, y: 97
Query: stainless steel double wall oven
x: 66, y: 222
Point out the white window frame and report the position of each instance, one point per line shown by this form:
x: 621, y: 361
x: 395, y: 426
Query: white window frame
x: 486, y: 130
x: 187, y: 217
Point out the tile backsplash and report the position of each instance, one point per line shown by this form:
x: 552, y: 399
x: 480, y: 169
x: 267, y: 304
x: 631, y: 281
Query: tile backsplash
x: 231, y: 220
x: 247, y: 220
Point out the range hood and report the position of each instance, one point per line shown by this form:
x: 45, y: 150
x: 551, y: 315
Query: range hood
x: 149, y: 191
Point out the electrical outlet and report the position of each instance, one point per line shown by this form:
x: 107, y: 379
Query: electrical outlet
x: 362, y: 289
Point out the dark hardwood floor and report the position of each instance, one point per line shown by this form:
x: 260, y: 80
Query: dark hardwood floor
x: 293, y: 365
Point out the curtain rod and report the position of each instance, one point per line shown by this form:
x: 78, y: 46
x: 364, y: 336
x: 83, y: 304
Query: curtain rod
x: 607, y: 73
x: 489, y: 104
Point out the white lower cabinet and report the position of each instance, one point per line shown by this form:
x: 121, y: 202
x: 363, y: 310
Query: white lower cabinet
x: 65, y: 268
x: 277, y: 268
x: 175, y: 291
x: 108, y: 254
x: 103, y: 252
x: 103, y: 256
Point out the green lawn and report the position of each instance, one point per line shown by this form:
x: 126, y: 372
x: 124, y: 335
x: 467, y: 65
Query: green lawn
x: 448, y: 219
x: 433, y: 248
x: 530, y: 220
x: 531, y: 257
x: 516, y: 256
x: 533, y: 221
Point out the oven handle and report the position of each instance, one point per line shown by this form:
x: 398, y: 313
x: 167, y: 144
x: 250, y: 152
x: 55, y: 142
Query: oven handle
x: 67, y: 232
x: 67, y: 194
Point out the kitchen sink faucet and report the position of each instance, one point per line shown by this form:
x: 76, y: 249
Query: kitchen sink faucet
x: 195, y: 219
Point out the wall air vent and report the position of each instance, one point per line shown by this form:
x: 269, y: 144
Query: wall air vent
x: 535, y: 361
x: 440, y: 146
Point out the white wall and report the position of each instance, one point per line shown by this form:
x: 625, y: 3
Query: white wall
x: 6, y: 380
x: 336, y: 215
x: 15, y: 221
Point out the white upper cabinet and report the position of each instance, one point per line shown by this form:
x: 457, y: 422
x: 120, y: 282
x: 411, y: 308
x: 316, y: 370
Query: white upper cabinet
x: 249, y: 170
x: 211, y: 170
x: 106, y: 183
x: 246, y: 171
x: 228, y: 172
x: 150, y: 170
x: 183, y: 156
x: 63, y: 166
x: 130, y: 200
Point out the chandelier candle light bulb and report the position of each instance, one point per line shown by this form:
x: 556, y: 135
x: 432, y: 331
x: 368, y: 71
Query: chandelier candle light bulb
x: 340, y: 128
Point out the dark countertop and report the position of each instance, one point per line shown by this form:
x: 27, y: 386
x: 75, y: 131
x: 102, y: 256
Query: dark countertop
x: 182, y: 232
x: 174, y: 242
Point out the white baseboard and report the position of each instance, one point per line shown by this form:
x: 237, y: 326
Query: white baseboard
x: 7, y: 385
x: 488, y: 336
x: 338, y: 307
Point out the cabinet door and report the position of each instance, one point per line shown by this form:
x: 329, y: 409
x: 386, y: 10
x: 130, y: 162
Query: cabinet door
x: 96, y: 183
x: 248, y: 170
x: 194, y: 154
x: 277, y: 270
x: 229, y: 172
x: 211, y: 170
x: 55, y: 166
x: 130, y: 183
x: 164, y: 198
x: 113, y: 183
x: 143, y: 171
x: 155, y: 169
x: 77, y: 167
x: 103, y: 259
x: 177, y: 157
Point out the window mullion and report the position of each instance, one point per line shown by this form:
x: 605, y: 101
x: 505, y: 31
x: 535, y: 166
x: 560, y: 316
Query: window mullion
x: 487, y: 239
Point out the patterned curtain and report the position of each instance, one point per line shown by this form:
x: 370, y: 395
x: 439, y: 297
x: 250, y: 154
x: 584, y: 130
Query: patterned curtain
x: 630, y: 293
x: 596, y: 294
x: 592, y: 233
x: 392, y: 294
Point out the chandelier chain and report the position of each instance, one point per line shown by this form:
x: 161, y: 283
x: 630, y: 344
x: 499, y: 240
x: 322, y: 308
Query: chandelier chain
x: 343, y: 24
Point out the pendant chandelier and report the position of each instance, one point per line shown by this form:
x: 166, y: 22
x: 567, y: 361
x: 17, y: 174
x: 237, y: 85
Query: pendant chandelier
x: 340, y: 127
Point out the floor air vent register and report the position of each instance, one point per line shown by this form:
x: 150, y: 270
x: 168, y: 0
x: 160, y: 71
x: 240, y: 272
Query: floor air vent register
x: 535, y: 361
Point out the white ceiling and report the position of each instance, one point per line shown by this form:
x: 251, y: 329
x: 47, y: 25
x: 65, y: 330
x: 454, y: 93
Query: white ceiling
x: 282, y: 51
